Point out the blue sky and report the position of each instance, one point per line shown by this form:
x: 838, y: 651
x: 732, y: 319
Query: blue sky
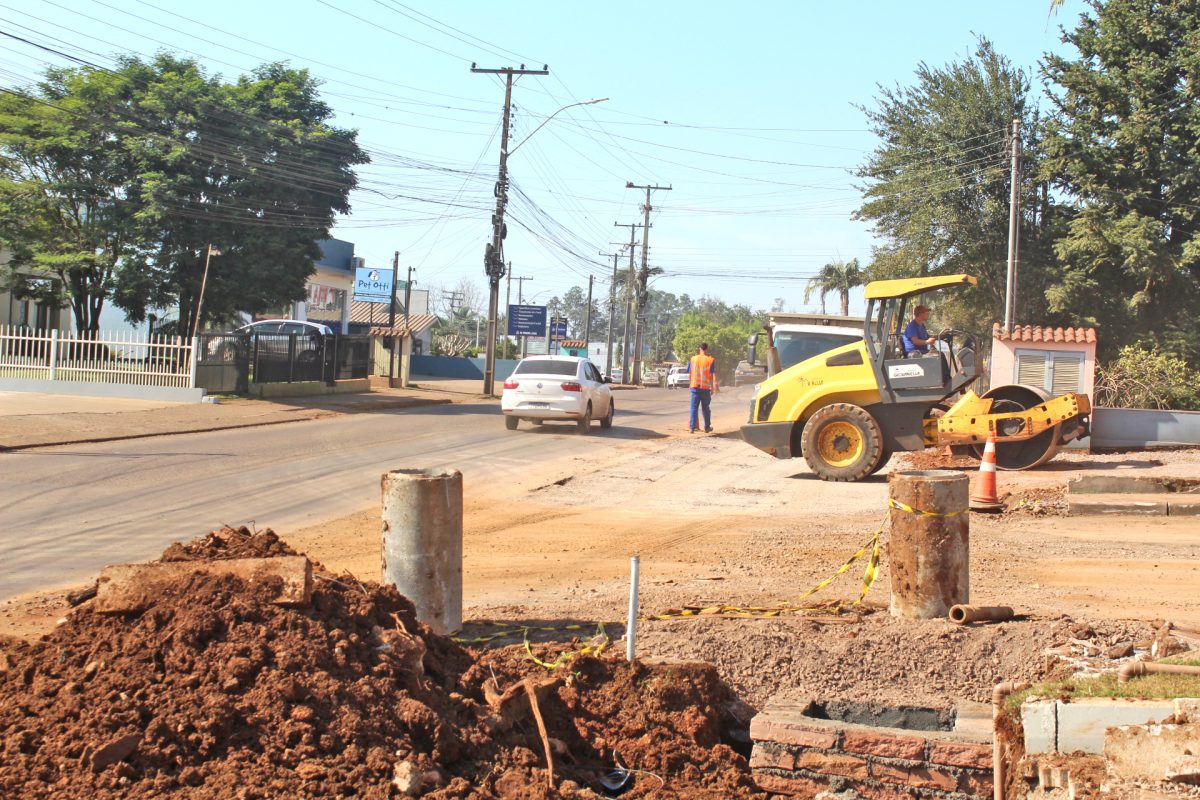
x: 749, y: 116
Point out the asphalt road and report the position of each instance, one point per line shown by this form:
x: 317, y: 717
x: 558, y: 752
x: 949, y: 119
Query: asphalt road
x: 69, y: 511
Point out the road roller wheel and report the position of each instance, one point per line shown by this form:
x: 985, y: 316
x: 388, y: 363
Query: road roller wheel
x: 842, y: 442
x: 1027, y: 453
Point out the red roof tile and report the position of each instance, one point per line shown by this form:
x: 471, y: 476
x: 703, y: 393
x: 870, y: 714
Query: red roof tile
x: 1036, y: 333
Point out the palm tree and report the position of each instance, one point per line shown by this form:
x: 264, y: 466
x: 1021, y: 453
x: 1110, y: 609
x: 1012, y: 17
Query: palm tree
x: 836, y: 276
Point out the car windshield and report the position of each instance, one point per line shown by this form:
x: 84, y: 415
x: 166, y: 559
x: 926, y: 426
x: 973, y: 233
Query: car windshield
x: 546, y: 367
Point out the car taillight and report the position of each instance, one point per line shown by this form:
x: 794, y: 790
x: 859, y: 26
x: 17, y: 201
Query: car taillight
x: 511, y: 384
x: 572, y: 386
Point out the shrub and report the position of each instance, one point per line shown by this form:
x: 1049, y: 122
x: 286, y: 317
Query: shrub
x: 1145, y: 377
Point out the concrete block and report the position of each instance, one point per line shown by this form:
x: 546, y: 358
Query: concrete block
x: 125, y: 588
x: 1039, y: 719
x: 1185, y: 506
x: 1116, y: 484
x: 1082, y: 722
x: 1113, y: 504
x: 1149, y: 752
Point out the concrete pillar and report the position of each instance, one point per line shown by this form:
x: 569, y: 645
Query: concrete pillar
x: 929, y: 555
x: 422, y: 543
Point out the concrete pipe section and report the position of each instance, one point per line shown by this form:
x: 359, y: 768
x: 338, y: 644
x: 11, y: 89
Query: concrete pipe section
x: 423, y: 543
x: 962, y: 615
x: 929, y: 550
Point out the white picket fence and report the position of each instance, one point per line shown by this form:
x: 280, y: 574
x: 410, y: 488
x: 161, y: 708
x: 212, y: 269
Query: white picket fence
x: 123, y: 357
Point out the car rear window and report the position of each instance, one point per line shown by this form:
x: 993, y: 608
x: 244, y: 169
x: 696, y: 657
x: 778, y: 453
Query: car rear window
x: 546, y: 368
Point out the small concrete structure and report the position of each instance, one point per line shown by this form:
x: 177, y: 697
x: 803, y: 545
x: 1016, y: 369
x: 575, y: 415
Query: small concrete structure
x: 1154, y: 495
x: 1055, y: 359
x: 804, y: 748
x: 1055, y: 726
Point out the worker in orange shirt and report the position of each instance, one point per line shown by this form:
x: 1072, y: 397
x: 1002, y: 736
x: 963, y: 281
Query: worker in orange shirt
x: 702, y: 377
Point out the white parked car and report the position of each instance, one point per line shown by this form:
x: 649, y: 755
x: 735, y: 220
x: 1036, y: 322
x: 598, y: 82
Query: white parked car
x: 678, y: 378
x: 564, y: 388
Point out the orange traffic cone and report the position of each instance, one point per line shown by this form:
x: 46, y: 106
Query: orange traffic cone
x: 984, y: 497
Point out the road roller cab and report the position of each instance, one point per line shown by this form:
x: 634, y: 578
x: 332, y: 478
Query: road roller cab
x: 846, y: 411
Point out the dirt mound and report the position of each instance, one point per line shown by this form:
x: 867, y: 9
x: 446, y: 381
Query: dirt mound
x: 216, y: 693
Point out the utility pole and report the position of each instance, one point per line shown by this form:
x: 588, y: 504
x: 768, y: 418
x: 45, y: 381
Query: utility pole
x: 507, y: 307
x: 612, y: 302
x: 493, y: 258
x: 392, y: 319
x: 587, y: 325
x: 625, y: 365
x: 1014, y: 230
x: 643, y: 278
x: 407, y: 330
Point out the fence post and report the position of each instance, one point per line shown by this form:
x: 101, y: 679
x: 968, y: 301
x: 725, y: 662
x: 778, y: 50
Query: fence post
x: 195, y: 359
x: 53, y: 353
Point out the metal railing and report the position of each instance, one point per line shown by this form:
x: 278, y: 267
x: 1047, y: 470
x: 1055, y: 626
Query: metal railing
x: 224, y: 363
x: 124, y: 357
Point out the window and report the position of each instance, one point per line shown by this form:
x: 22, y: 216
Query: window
x: 1056, y: 371
x: 545, y: 366
x: 795, y: 347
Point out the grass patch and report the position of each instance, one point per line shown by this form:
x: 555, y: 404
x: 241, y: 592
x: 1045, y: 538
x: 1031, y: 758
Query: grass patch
x: 1156, y: 686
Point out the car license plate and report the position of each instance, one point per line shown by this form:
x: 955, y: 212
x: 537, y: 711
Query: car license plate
x: 537, y: 405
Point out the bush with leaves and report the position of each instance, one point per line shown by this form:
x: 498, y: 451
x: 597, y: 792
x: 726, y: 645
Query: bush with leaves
x: 1145, y: 377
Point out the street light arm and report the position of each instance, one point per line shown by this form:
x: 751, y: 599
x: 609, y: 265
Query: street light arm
x: 552, y: 116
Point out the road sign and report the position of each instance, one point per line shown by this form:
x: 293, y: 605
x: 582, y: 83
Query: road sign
x: 558, y: 329
x: 526, y: 321
x: 373, y: 285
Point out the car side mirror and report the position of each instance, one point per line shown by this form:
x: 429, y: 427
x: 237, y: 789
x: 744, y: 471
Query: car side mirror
x: 608, y: 379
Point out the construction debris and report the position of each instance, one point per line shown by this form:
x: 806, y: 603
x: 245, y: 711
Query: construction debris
x: 215, y: 691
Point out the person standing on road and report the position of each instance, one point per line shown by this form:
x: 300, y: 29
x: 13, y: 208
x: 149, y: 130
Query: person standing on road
x: 916, y: 337
x: 702, y: 377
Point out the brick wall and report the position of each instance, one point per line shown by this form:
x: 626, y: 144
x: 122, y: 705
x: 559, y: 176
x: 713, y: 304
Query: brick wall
x: 801, y: 756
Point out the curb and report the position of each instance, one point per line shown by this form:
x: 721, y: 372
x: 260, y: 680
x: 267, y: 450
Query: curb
x: 398, y: 403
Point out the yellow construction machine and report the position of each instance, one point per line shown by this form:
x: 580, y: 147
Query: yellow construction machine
x: 849, y: 409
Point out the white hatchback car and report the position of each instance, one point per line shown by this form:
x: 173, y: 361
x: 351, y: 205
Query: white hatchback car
x: 557, y: 388
x: 678, y: 378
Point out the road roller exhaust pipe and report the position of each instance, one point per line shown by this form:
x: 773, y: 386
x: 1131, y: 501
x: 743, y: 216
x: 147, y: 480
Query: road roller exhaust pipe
x: 961, y: 615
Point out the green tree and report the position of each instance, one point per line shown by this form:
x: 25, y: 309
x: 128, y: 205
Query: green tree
x: 837, y: 276
x: 726, y: 341
x: 66, y: 180
x: 1122, y: 145
x: 937, y: 188
x: 130, y: 174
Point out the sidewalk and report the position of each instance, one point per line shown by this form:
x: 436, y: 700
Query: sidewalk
x: 41, y: 420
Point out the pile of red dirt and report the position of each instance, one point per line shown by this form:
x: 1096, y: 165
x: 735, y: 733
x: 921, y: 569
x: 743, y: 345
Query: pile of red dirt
x: 214, y: 692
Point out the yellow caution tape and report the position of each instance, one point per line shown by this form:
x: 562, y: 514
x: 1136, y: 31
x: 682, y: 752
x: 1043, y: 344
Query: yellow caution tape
x: 594, y: 646
x: 903, y: 507
x: 513, y: 629
x: 869, y: 575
